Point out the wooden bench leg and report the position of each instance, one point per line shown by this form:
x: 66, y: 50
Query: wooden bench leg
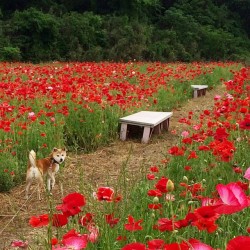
x: 146, y: 135
x: 166, y: 124
x: 157, y: 129
x: 123, y: 133
x: 195, y: 93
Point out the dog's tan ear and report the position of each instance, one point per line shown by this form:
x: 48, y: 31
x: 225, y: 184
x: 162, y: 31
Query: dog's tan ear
x: 64, y: 149
x: 55, y: 149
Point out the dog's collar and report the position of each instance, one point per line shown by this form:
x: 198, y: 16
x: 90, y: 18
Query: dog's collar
x: 54, y: 161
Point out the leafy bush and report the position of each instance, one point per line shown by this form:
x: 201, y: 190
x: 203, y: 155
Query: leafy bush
x: 11, y: 54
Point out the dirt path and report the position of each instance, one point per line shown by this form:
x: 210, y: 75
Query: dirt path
x: 102, y: 167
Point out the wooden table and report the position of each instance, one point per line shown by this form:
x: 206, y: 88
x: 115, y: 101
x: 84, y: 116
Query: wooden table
x: 151, y: 121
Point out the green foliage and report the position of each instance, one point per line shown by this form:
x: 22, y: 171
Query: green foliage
x: 81, y: 37
x: 36, y: 34
x: 10, y: 54
x: 9, y: 172
x: 127, y: 39
x: 87, y: 129
x: 150, y: 30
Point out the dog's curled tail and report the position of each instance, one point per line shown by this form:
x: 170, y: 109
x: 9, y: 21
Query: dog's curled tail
x: 32, y: 158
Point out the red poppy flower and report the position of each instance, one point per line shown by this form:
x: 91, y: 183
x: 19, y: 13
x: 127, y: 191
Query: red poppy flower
x: 162, y: 184
x: 155, y: 244
x: 133, y: 225
x: 176, y: 151
x: 205, y: 218
x: 86, y: 219
x: 121, y: 238
x: 104, y: 194
x: 192, y: 155
x: 54, y: 241
x: 206, y: 112
x: 59, y: 220
x: 223, y: 150
x: 134, y: 246
x: 111, y: 220
x: 239, y: 242
x: 154, y: 206
x: 154, y: 169
x: 203, y: 148
x: 245, y: 124
x: 220, y: 134
x: 187, y: 168
x: 155, y: 192
x: 72, y: 204
x: 165, y: 224
x: 150, y: 177
x: 206, y: 213
x: 39, y: 221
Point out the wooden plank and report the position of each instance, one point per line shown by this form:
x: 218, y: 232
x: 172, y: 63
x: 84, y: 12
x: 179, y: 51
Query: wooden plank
x: 199, y: 86
x: 146, y: 135
x: 123, y: 133
x: 146, y: 118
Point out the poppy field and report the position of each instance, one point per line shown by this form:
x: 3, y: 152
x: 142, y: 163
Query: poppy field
x: 197, y: 198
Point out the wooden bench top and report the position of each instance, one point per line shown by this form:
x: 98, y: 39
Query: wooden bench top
x: 146, y: 118
x: 199, y: 86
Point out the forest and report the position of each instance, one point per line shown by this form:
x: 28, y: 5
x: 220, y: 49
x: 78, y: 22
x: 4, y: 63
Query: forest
x: 118, y: 30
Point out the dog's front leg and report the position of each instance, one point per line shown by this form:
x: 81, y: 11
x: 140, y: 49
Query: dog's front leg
x: 49, y: 183
x: 53, y: 181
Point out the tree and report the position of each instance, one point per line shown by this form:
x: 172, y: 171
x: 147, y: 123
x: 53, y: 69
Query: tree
x: 35, y: 34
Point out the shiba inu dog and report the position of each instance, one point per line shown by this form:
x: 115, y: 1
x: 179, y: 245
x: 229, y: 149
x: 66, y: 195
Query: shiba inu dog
x: 38, y: 168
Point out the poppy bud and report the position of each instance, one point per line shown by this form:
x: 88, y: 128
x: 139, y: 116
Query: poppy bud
x: 156, y: 200
x: 170, y: 186
x: 185, y: 179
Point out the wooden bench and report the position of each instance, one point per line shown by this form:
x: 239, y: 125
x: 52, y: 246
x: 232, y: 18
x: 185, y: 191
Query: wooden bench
x: 199, y: 90
x: 150, y: 120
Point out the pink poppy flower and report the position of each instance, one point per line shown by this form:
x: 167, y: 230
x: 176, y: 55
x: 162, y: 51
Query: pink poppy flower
x: 170, y: 197
x: 197, y: 245
x: 232, y: 199
x: 75, y: 240
x: 19, y: 244
x: 185, y: 134
x: 93, y: 233
x: 247, y: 174
x: 217, y: 97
